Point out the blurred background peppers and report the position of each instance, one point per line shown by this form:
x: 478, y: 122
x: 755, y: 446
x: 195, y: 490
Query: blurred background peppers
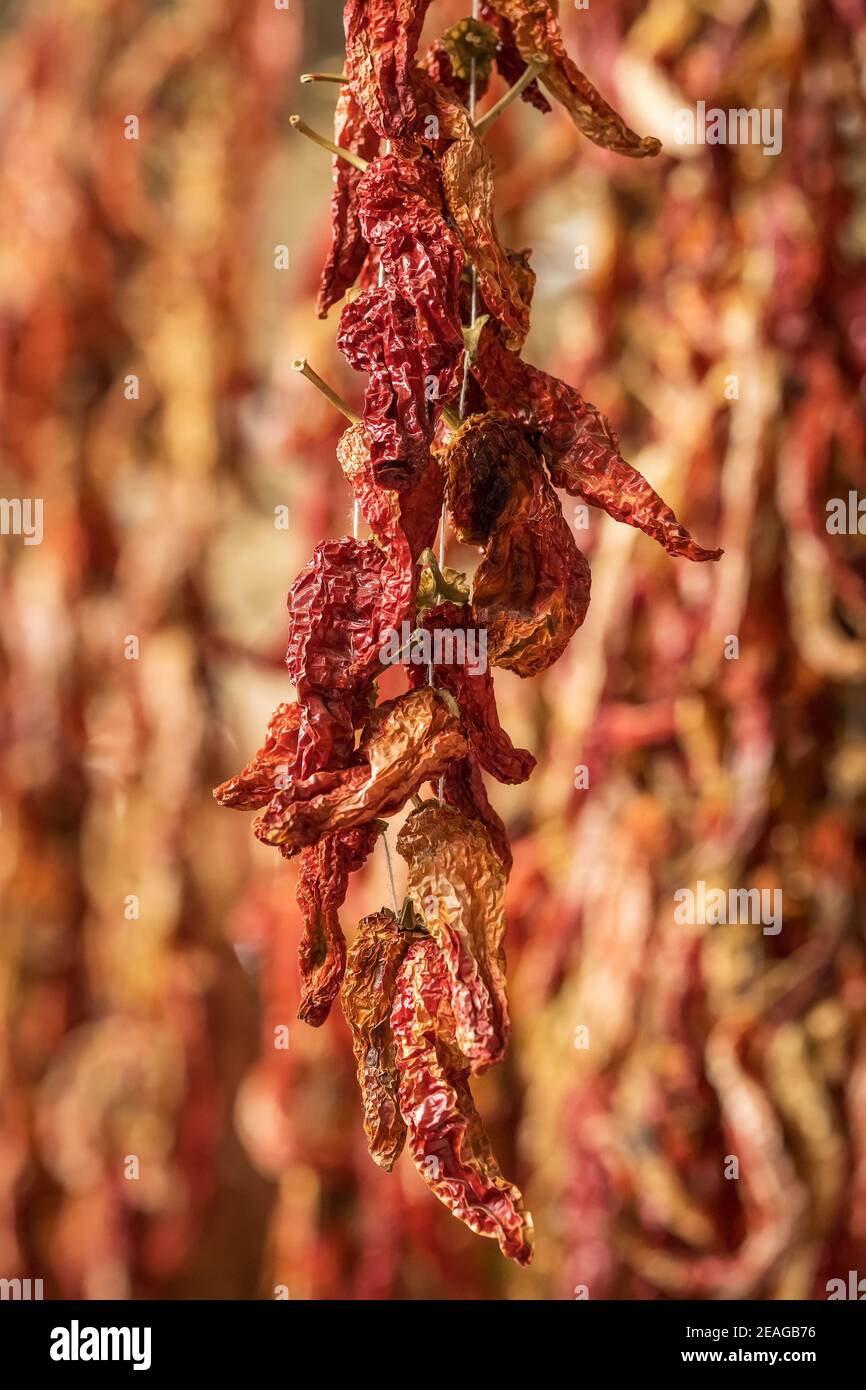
x: 711, y: 301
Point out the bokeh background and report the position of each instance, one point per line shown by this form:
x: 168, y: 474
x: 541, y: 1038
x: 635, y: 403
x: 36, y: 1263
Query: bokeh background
x: 147, y: 942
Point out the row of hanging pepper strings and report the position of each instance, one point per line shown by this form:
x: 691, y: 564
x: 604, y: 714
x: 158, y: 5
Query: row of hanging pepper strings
x: 453, y: 421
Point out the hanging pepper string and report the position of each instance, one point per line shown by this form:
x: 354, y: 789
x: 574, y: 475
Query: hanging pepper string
x: 443, y: 520
x: 390, y: 872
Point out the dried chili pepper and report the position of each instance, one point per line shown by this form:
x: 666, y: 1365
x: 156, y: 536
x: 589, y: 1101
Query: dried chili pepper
x: 336, y: 619
x: 456, y: 884
x: 447, y: 1140
x: 255, y: 786
x: 509, y: 61
x: 375, y: 956
x: 463, y: 787
x: 473, y: 690
x: 377, y: 335
x: 352, y: 131
x: 467, y: 179
x: 531, y: 590
x: 404, y: 523
x: 537, y: 35
x: 406, y: 742
x: 401, y: 212
x: 323, y: 877
x: 381, y: 40
x: 580, y: 446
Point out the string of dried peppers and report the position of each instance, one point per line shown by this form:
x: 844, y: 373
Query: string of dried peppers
x: 413, y: 223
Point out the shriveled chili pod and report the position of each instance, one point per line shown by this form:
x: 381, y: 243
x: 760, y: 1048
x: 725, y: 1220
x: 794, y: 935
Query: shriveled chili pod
x: 467, y: 179
x: 456, y: 884
x: 323, y: 878
x: 381, y: 41
x: 509, y: 61
x: 446, y: 1139
x: 255, y: 786
x: 374, y: 958
x: 531, y: 591
x: 352, y: 131
x: 580, y: 445
x: 537, y: 35
x: 407, y: 741
x: 471, y: 684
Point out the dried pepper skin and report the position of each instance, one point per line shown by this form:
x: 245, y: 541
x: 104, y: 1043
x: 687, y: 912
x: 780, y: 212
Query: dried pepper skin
x: 537, y: 35
x: 580, y: 446
x: 375, y: 956
x: 405, y: 523
x: 255, y: 786
x: 476, y: 699
x: 463, y: 788
x: 401, y: 211
x: 323, y: 877
x: 381, y: 41
x: 446, y: 1138
x: 406, y: 742
x: 377, y: 335
x: 509, y: 61
x: 531, y: 590
x: 352, y: 131
x: 339, y: 605
x: 467, y: 179
x: 456, y: 884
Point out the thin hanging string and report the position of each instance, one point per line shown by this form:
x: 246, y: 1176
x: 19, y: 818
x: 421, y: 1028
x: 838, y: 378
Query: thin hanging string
x: 356, y: 510
x: 473, y: 99
x: 390, y: 872
x: 389, y: 866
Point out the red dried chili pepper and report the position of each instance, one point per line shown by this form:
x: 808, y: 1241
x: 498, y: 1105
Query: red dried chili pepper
x: 377, y: 335
x: 537, y: 35
x: 580, y: 446
x: 509, y: 61
x: 407, y: 741
x: 463, y: 787
x: 255, y: 786
x: 336, y: 619
x: 531, y: 590
x: 404, y: 523
x: 381, y: 40
x: 367, y: 996
x: 447, y: 1140
x: 473, y: 690
x: 400, y: 208
x: 467, y: 179
x: 323, y: 877
x: 352, y: 131
x: 456, y: 884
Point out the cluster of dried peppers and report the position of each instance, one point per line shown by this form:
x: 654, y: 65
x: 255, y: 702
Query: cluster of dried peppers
x: 413, y: 222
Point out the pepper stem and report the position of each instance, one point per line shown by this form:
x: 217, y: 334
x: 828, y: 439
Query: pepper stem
x: 323, y: 77
x: 297, y: 123
x: 301, y: 365
x: 528, y: 75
